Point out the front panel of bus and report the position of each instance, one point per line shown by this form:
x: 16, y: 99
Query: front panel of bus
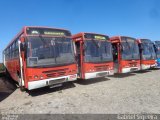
x: 49, y: 57
x: 98, y: 59
x: 130, y: 56
x: 148, y: 55
x: 157, y: 50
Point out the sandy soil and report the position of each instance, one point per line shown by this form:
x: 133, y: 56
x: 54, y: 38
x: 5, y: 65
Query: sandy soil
x: 128, y: 93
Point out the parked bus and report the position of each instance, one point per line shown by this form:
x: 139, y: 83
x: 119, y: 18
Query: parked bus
x: 94, y: 55
x: 147, y: 54
x: 41, y: 56
x: 126, y: 55
x: 157, y: 50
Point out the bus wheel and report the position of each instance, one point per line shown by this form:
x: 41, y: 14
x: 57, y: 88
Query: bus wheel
x: 22, y: 88
x: 7, y: 73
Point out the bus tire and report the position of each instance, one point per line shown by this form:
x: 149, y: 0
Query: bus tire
x: 22, y: 88
x: 7, y: 74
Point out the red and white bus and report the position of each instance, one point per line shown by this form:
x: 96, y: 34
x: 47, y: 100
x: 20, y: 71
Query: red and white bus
x: 125, y: 54
x: 41, y: 56
x: 94, y: 55
x: 147, y: 54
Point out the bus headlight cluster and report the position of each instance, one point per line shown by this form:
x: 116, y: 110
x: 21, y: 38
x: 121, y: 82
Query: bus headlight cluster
x: 41, y: 77
x: 72, y: 71
x: 36, y: 77
x: 110, y: 68
x: 91, y: 70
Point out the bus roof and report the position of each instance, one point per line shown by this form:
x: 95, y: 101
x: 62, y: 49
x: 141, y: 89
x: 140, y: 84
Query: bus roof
x: 118, y: 38
x: 144, y: 40
x: 23, y: 31
x: 83, y: 33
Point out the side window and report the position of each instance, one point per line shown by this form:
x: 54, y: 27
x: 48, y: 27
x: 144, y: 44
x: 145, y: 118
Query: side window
x: 10, y: 52
x: 13, y: 50
x: 16, y: 49
x: 7, y: 53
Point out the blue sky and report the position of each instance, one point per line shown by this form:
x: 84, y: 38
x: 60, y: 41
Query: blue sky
x: 134, y: 18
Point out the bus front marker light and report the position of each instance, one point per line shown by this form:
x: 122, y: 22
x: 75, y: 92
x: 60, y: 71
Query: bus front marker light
x: 41, y: 77
x: 36, y: 77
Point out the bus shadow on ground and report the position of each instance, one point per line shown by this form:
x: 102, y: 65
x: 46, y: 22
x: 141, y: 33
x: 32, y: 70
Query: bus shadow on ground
x: 47, y: 90
x: 7, y: 86
x: 142, y: 71
x: 122, y: 75
x: 154, y: 69
x: 91, y: 81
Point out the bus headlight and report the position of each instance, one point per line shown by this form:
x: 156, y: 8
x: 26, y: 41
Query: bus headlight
x: 36, y: 77
x: 41, y: 77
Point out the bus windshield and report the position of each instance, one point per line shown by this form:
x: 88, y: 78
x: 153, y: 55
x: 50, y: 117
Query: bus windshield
x: 49, y: 51
x: 157, y: 45
x: 148, y: 51
x: 130, y: 50
x: 98, y: 51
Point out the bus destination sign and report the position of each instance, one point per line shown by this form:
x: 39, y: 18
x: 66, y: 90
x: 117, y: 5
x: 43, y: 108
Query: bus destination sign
x: 47, y: 31
x: 96, y: 36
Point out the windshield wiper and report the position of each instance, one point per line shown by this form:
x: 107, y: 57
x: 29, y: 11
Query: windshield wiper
x: 42, y: 39
x: 128, y: 44
x: 95, y: 43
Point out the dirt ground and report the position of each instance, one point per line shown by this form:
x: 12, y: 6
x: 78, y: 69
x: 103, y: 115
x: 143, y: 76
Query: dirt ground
x: 137, y: 93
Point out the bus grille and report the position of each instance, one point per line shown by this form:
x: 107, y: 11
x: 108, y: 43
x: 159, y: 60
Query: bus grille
x: 133, y: 64
x: 101, y: 68
x: 55, y: 73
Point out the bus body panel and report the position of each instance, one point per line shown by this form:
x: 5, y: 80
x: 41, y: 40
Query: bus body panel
x: 36, y: 77
x: 149, y: 63
x: 13, y: 67
x: 88, y: 70
x: 127, y: 66
x: 51, y: 81
x: 95, y: 70
x: 40, y: 74
x: 121, y: 65
x: 146, y: 64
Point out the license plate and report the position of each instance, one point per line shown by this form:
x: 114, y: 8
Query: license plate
x: 134, y: 69
x: 52, y: 82
x: 102, y: 74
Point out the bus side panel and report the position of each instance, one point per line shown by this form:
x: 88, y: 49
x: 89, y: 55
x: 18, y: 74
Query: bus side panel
x: 12, y: 67
x: 146, y: 64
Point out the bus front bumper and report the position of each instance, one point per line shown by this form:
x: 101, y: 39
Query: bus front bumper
x: 49, y: 82
x: 98, y: 74
x: 130, y: 69
x: 153, y: 66
x: 145, y: 67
